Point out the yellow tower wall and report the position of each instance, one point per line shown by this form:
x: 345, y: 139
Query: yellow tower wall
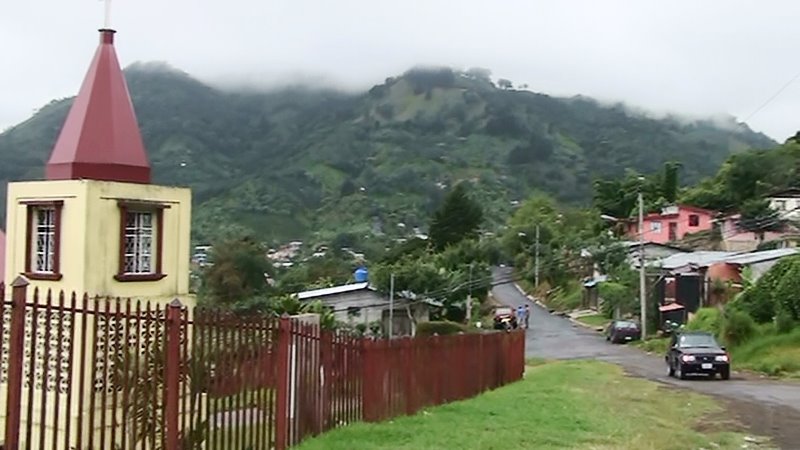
x: 90, y: 233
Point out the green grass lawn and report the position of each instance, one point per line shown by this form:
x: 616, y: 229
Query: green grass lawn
x: 570, y: 404
x: 595, y: 320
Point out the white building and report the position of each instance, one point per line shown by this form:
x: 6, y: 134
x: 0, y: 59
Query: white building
x: 361, y: 303
x: 786, y: 203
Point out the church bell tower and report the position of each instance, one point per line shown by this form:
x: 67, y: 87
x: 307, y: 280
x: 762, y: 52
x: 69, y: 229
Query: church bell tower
x: 97, y: 224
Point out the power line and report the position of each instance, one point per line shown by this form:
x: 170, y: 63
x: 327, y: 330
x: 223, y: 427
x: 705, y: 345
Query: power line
x: 773, y: 97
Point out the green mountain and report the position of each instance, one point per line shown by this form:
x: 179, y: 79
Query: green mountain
x: 302, y: 162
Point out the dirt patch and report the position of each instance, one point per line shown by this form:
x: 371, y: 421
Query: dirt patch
x: 781, y: 423
x: 718, y: 423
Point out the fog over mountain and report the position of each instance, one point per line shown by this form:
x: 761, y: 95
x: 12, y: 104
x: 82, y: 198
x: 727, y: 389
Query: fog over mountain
x: 694, y: 59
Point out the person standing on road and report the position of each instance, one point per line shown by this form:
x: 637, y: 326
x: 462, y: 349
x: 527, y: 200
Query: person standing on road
x: 527, y: 315
x: 521, y: 318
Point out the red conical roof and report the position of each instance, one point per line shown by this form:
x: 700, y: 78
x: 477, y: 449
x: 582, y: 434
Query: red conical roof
x: 101, y: 139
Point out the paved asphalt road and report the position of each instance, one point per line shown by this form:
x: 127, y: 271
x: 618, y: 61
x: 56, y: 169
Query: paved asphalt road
x: 556, y: 337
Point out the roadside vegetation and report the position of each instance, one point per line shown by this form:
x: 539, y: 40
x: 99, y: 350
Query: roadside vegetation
x: 594, y: 320
x: 568, y: 404
x: 761, y: 326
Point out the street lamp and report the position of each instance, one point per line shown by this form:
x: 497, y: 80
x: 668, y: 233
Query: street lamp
x: 536, y: 257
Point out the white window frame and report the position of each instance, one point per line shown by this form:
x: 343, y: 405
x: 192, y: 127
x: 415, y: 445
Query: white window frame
x: 655, y: 226
x: 43, y: 237
x: 139, y: 242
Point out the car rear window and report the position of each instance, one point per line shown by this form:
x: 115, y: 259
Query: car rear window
x: 697, y: 340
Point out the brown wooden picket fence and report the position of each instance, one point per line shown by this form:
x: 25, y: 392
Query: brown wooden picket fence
x: 84, y: 373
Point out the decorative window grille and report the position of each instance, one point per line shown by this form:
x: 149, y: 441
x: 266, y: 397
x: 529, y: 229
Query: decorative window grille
x: 138, y: 242
x: 44, y: 240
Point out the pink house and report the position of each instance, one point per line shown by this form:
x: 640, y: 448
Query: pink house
x: 671, y: 224
x: 735, y: 239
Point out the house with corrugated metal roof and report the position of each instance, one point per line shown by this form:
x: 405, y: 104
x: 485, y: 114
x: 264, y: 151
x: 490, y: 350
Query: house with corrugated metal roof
x: 705, y: 278
x: 362, y: 303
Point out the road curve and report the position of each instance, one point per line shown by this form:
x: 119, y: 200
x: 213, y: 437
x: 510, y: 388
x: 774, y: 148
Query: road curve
x: 556, y: 337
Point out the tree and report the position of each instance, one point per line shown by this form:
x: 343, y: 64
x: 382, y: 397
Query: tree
x: 761, y: 300
x: 503, y: 83
x: 239, y: 272
x: 479, y: 73
x: 786, y: 294
x: 457, y: 219
x: 670, y: 187
x: 758, y: 217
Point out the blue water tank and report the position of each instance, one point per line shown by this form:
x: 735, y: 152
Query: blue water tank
x: 361, y: 275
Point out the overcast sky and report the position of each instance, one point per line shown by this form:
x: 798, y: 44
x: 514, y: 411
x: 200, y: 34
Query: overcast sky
x: 685, y: 56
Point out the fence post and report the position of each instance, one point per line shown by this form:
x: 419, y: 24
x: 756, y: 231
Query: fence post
x: 172, y: 372
x: 408, y: 375
x: 326, y: 348
x: 369, y: 380
x: 16, y: 352
x: 282, y: 394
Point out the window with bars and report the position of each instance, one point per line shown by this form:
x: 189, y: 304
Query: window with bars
x: 138, y: 243
x: 44, y: 240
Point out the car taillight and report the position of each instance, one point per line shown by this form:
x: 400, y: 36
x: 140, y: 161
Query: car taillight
x: 687, y: 358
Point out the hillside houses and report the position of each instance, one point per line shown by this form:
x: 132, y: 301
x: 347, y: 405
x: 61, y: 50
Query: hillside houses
x: 671, y: 224
x: 786, y: 203
x: 704, y: 278
x: 688, y: 226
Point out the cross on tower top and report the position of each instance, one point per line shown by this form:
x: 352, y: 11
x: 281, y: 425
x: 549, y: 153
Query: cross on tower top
x: 107, y: 21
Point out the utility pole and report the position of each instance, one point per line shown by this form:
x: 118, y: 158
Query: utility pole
x: 642, y: 293
x: 536, y: 260
x: 391, y: 305
x: 469, y: 296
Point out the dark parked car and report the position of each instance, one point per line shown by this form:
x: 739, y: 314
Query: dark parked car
x: 620, y: 331
x: 696, y: 352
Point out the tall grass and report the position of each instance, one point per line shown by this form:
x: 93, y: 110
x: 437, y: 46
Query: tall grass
x: 773, y: 354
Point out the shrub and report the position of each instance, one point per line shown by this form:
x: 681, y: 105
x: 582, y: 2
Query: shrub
x: 784, y: 322
x: 442, y: 328
x: 737, y: 327
x: 757, y: 302
x: 787, y: 292
x: 760, y: 300
x: 617, y: 295
x: 706, y: 319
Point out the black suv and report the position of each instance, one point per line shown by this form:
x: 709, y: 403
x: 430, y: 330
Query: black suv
x: 696, y: 352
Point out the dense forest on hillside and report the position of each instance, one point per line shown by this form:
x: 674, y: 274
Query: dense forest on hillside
x: 305, y: 162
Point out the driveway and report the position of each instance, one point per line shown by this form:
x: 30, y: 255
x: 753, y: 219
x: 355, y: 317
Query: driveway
x: 767, y: 407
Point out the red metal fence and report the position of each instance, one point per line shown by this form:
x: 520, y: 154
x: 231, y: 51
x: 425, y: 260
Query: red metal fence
x: 82, y: 373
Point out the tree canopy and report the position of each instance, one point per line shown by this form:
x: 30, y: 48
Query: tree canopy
x: 457, y: 219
